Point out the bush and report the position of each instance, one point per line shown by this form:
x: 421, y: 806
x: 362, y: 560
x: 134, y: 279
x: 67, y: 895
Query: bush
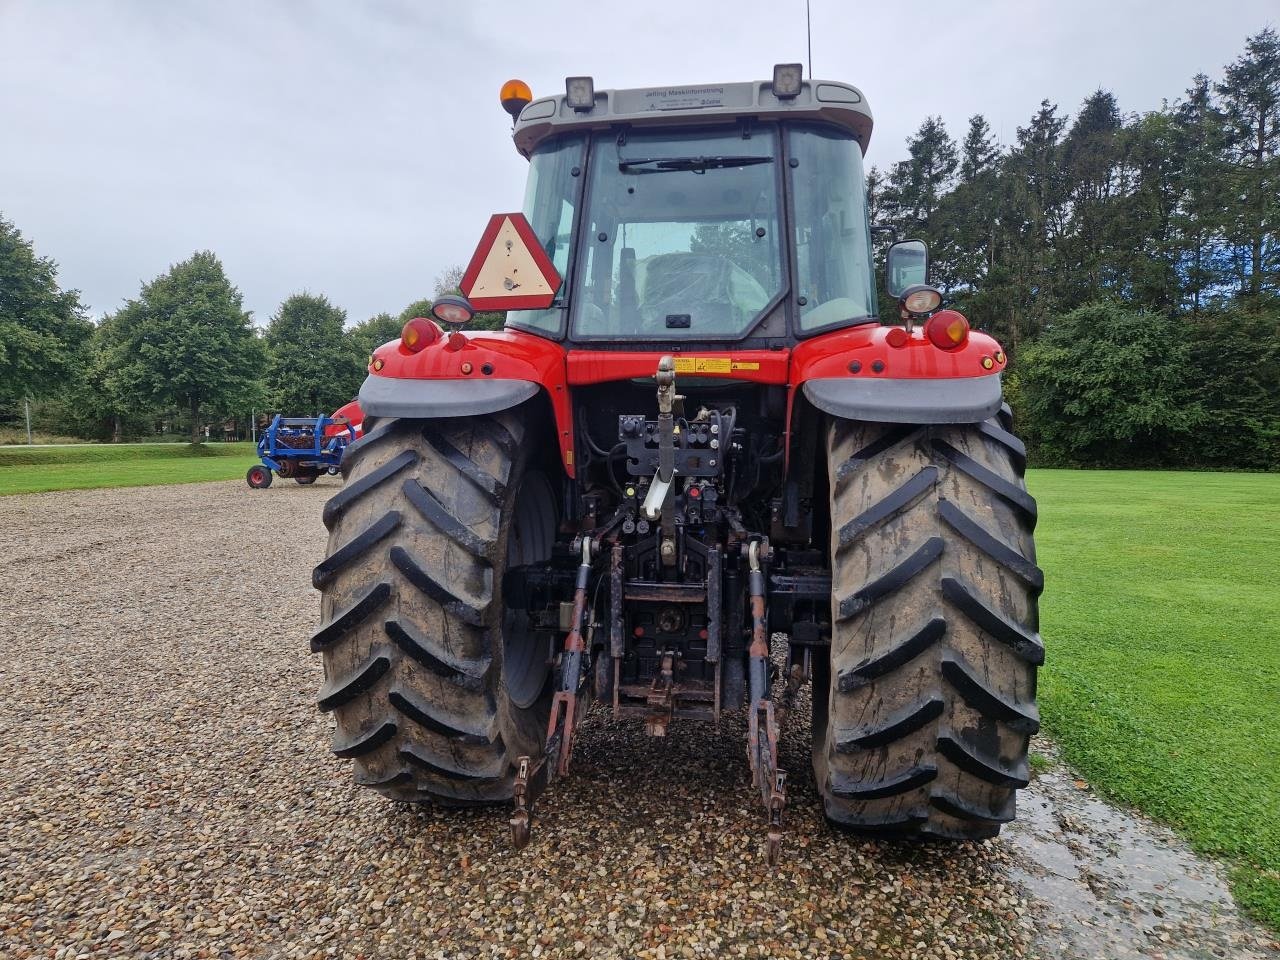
x: 1235, y: 364
x: 1108, y: 386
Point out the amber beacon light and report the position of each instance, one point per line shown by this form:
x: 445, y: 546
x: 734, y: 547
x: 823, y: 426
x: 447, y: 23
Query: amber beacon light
x: 515, y: 96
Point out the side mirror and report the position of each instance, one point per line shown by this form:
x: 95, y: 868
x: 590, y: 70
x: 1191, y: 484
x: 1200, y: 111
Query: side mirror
x: 906, y: 266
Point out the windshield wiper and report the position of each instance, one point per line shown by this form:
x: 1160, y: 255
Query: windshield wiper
x: 696, y: 164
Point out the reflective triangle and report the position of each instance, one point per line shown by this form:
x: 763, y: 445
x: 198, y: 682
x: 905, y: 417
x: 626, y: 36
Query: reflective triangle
x: 510, y: 270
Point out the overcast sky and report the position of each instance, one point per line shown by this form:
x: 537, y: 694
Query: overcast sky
x: 357, y: 149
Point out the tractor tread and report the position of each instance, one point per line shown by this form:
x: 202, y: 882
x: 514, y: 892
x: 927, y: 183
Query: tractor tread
x: 417, y: 575
x: 462, y: 463
x: 440, y: 765
x: 466, y: 673
x: 1016, y: 448
x: 397, y: 778
x: 882, y: 444
x: 437, y: 719
x: 498, y: 435
x: 954, y: 806
x: 897, y: 726
x: 893, y: 504
x: 1022, y: 641
x: 899, y: 653
x: 903, y: 782
x: 992, y: 546
x: 363, y: 741
x: 355, y: 548
x: 338, y: 627
x: 984, y: 768
x: 343, y: 688
x: 434, y: 512
x: 901, y: 823
x: 381, y: 431
x: 1001, y: 487
x: 350, y: 492
x: 964, y: 679
x: 892, y: 580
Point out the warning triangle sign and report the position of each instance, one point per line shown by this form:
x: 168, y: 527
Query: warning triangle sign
x: 510, y: 270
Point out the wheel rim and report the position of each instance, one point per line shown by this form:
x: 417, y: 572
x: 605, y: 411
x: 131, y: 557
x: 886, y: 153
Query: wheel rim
x: 529, y: 539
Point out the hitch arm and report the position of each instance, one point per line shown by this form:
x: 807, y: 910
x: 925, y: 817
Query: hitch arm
x: 533, y: 776
x: 762, y: 722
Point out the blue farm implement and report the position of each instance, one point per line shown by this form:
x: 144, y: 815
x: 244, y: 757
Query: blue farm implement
x: 301, y: 448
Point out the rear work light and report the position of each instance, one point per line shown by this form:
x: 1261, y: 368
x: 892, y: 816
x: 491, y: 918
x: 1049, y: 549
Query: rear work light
x: 418, y: 334
x: 453, y: 311
x: 947, y: 330
x: 579, y: 93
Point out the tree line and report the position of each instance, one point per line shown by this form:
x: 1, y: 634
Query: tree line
x: 1129, y: 263
x: 183, y: 357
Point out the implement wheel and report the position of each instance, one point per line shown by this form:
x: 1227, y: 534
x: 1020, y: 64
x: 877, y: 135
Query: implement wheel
x: 258, y: 477
x: 305, y: 478
x: 923, y: 716
x: 436, y: 688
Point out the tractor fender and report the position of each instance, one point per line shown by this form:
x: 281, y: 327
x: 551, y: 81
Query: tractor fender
x: 436, y: 399
x: 916, y: 400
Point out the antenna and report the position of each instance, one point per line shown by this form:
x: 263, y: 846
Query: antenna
x: 808, y: 35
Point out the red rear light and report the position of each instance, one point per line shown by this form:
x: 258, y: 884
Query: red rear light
x: 897, y: 337
x: 947, y: 329
x: 419, y: 333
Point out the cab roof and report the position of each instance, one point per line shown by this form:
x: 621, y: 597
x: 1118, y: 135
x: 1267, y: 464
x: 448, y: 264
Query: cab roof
x: 825, y: 100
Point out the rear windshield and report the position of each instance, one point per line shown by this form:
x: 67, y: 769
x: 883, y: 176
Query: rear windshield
x: 683, y: 237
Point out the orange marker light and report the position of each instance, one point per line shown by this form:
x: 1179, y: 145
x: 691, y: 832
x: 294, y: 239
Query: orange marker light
x: 947, y: 329
x: 418, y: 334
x: 515, y: 96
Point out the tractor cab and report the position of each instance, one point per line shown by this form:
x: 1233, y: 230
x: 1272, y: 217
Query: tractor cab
x: 733, y: 213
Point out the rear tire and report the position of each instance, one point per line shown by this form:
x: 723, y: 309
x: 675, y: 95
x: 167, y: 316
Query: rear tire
x: 923, y: 717
x: 427, y: 699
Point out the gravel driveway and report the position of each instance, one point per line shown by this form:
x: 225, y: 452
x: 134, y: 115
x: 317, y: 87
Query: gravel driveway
x: 168, y: 789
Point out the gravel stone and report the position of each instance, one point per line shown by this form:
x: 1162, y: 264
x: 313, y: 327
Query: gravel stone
x: 168, y: 790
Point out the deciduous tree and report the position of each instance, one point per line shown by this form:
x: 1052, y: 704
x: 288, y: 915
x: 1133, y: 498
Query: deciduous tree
x: 316, y: 365
x: 188, y: 341
x: 43, y: 329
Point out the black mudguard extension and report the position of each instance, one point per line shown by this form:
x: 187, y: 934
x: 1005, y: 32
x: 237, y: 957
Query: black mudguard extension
x: 436, y: 399
x: 953, y: 400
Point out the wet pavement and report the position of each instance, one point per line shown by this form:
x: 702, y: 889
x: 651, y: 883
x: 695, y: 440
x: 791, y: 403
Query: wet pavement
x: 1112, y: 884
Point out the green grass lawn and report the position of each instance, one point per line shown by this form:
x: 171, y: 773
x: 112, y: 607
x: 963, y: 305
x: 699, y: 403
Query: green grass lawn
x: 1161, y: 618
x: 84, y: 466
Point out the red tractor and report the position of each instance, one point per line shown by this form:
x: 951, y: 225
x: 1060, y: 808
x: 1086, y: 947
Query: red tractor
x: 694, y: 472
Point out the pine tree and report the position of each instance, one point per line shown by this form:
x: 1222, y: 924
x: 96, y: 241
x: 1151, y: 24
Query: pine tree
x: 979, y: 151
x: 1199, y: 220
x: 1250, y: 95
x: 1093, y: 181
